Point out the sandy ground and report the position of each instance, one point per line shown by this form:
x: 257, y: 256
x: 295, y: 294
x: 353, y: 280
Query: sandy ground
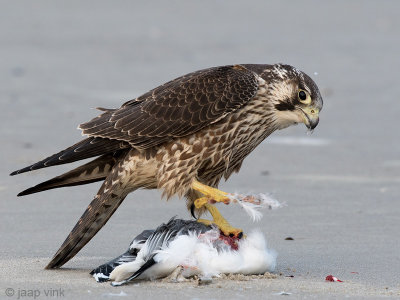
x: 341, y: 184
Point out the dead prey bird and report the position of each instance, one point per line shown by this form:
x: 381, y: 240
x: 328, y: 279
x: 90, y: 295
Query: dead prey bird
x: 181, y: 249
x: 181, y: 137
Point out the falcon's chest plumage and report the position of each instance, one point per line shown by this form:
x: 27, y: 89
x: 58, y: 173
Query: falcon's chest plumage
x: 215, y: 151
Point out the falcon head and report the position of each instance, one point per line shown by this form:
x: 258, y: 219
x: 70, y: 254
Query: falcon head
x: 295, y: 96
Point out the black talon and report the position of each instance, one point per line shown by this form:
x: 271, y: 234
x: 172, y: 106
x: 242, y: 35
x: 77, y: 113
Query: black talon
x: 192, y: 207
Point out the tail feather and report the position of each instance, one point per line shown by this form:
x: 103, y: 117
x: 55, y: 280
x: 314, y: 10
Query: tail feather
x: 93, y: 171
x: 93, y: 219
x: 89, y: 147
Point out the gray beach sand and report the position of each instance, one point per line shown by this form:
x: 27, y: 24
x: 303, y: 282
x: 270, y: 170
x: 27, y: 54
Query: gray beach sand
x: 341, y: 185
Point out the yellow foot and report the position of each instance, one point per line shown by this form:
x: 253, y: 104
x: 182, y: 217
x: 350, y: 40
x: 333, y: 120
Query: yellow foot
x: 221, y: 223
x: 225, y: 228
x: 212, y: 195
x: 205, y: 222
x: 200, y: 202
x: 231, y: 231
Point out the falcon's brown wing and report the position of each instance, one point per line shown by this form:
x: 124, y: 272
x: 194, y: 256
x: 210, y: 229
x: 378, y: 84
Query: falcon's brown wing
x: 177, y: 108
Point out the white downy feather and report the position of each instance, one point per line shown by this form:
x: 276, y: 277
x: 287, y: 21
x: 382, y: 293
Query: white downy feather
x: 252, y: 203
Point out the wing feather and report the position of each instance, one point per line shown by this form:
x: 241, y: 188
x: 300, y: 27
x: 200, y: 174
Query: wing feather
x: 177, y: 108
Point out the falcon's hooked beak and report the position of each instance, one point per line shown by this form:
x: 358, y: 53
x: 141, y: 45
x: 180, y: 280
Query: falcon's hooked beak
x: 310, y: 117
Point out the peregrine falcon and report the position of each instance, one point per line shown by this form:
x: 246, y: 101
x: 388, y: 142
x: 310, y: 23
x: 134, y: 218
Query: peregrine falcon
x: 181, y: 137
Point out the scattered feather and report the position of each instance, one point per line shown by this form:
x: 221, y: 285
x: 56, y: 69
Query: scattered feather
x: 120, y: 294
x: 252, y: 203
x: 283, y: 293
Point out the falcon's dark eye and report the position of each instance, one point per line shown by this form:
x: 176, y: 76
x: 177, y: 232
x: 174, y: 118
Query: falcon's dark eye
x: 304, y: 97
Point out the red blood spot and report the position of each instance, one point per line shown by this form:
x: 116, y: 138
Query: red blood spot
x: 332, y: 278
x: 230, y: 241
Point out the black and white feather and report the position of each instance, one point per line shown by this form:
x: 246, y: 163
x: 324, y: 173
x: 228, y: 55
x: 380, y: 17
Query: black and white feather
x: 102, y: 272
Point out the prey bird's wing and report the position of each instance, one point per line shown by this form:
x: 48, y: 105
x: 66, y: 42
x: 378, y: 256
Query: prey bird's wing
x: 102, y: 273
x: 177, y: 108
x: 158, y: 240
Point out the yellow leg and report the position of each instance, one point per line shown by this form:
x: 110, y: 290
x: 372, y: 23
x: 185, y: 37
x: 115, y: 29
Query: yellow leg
x: 200, y: 202
x: 212, y: 194
x: 204, y: 221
